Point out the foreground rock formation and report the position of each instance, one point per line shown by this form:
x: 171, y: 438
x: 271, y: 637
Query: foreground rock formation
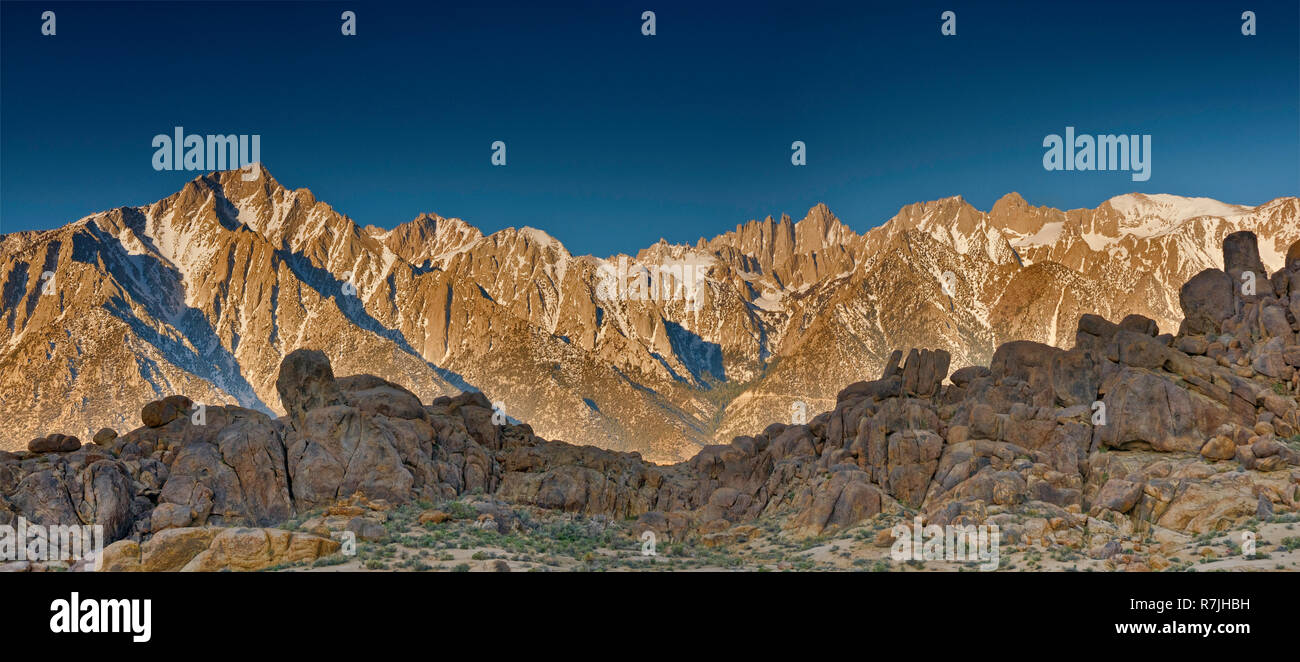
x: 1130, y: 435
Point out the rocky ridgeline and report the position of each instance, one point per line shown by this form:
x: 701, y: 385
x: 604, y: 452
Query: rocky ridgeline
x: 207, y: 290
x: 1129, y: 434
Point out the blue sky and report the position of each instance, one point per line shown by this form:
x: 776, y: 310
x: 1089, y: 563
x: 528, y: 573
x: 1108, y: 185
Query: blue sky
x: 615, y: 139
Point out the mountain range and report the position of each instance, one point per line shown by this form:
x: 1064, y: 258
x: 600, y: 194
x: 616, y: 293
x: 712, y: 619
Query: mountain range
x: 205, y: 292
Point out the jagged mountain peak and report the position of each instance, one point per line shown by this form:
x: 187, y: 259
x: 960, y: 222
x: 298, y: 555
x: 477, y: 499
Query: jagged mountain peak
x: 1026, y: 222
x: 290, y: 219
x: 255, y: 184
x: 531, y: 239
x: 784, y: 247
x: 428, y: 237
x: 953, y: 213
x: 1011, y: 201
x: 820, y: 228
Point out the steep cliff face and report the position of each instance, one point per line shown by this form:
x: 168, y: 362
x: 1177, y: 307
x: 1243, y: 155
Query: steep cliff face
x: 206, y: 291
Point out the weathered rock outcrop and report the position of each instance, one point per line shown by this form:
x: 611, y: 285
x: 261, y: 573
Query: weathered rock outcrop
x: 1206, y: 301
x: 213, y: 549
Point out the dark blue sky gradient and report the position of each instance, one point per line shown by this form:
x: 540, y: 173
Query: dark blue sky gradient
x: 616, y: 139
